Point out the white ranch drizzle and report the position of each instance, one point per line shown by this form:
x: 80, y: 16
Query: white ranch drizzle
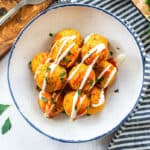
x: 101, y: 99
x: 104, y: 71
x: 88, y: 73
x: 65, y: 40
x: 110, y: 77
x: 48, y: 110
x: 65, y: 53
x: 88, y: 37
x: 119, y: 59
x: 82, y: 99
x: 75, y: 98
x: 73, y: 111
x: 48, y: 60
x: 98, y: 48
x: 37, y: 71
x: 55, y: 63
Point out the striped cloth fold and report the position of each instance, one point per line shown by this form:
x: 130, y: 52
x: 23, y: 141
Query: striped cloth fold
x: 135, y: 132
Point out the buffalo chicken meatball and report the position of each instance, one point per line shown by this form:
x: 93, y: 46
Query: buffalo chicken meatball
x: 99, y: 45
x: 97, y: 100
x: 50, y: 104
x: 38, y: 59
x: 51, y: 77
x: 75, y: 35
x: 65, y: 52
x: 77, y: 75
x: 81, y: 105
x: 106, y: 74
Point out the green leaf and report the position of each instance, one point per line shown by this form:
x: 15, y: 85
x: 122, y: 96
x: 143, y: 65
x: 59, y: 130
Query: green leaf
x: 79, y: 92
x: 3, y: 108
x: 62, y: 75
x: 116, y: 90
x: 6, y: 126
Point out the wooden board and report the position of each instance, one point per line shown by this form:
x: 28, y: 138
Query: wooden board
x: 143, y: 7
x: 12, y: 27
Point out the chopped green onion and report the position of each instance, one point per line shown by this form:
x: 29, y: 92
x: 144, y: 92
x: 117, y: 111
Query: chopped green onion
x: 50, y: 34
x: 101, y: 79
x: 111, y: 53
x: 53, y: 100
x: 116, y: 90
x: 44, y: 99
x: 69, y: 53
x: 62, y: 75
x: 65, y: 59
x: 48, y: 69
x: 79, y: 92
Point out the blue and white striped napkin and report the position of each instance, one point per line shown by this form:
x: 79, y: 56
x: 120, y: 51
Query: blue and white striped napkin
x: 135, y: 132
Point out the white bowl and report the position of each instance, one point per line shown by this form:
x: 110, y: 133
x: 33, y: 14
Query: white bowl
x: 34, y: 38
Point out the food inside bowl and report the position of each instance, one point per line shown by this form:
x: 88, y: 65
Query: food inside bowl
x: 74, y: 75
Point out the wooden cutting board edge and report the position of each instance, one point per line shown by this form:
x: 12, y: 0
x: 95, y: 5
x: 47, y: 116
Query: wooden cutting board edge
x: 8, y: 44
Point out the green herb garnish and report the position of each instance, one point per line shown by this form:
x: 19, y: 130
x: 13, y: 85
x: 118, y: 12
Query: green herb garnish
x: 6, y: 126
x: 111, y: 53
x: 100, y: 80
x: 48, y: 69
x: 116, y: 90
x: 30, y: 63
x: 69, y: 53
x: 53, y: 100
x: 75, y: 107
x: 44, y: 99
x: 79, y: 92
x: 65, y: 59
x: 46, y: 78
x: 62, y: 75
x: 37, y: 88
x: 3, y: 108
x: 91, y: 82
x: 50, y: 34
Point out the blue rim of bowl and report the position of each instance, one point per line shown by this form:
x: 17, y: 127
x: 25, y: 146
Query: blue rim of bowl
x: 17, y: 39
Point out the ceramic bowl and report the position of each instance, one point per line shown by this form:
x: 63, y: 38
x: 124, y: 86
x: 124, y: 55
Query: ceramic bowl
x: 35, y: 38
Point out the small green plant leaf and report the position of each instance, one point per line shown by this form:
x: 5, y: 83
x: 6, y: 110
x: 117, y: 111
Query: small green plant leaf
x: 6, y: 126
x: 3, y: 108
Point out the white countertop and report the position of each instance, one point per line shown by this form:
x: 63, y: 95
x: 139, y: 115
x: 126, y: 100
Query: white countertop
x: 23, y: 137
